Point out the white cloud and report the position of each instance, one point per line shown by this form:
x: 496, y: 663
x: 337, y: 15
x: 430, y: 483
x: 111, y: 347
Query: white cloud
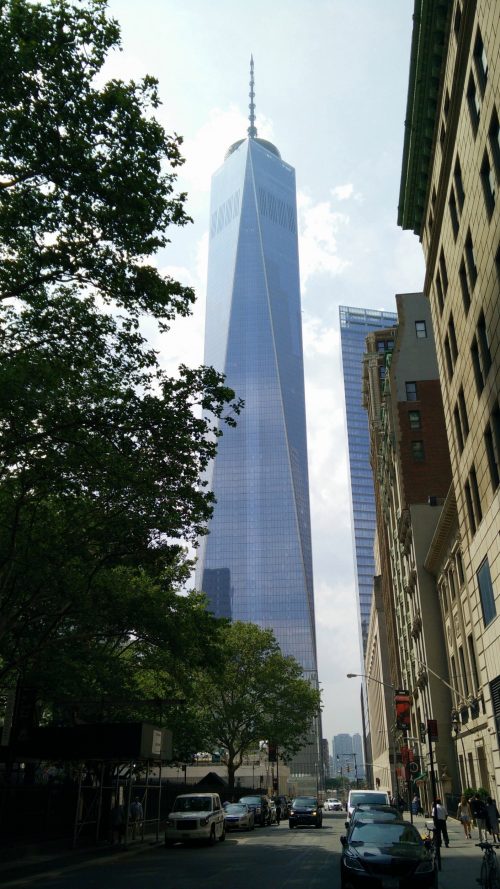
x: 319, y: 225
x: 342, y: 192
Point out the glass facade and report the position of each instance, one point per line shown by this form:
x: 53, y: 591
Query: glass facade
x: 256, y: 564
x: 355, y: 325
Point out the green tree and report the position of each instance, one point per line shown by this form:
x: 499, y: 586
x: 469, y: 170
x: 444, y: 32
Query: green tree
x: 101, y: 452
x: 254, y: 693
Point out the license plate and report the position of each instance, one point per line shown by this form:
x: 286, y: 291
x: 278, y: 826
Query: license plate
x: 390, y: 883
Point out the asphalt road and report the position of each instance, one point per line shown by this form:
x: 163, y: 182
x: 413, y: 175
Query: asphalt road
x: 267, y: 858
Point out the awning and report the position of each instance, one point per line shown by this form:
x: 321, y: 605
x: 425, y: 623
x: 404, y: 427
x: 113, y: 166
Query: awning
x: 421, y: 777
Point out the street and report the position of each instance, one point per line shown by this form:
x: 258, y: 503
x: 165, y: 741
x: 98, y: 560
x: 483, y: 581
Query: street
x: 267, y: 858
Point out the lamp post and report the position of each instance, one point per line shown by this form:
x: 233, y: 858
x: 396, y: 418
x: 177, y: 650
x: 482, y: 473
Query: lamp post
x: 393, y: 689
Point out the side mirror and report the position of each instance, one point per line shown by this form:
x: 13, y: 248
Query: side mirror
x: 343, y: 841
x: 347, y: 825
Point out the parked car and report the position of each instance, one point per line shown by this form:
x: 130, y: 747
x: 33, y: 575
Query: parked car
x: 387, y: 853
x: 238, y: 816
x: 373, y: 813
x: 259, y: 805
x: 366, y: 798
x: 305, y: 810
x: 332, y: 804
x: 195, y: 816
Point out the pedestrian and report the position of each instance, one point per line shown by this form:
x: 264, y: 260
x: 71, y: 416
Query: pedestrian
x: 439, y: 816
x: 478, y: 809
x: 415, y: 804
x: 117, y: 823
x: 492, y: 817
x: 136, y: 814
x: 278, y: 812
x: 464, y: 815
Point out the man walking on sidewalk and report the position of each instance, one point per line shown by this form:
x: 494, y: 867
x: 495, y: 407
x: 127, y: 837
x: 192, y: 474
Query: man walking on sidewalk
x: 439, y: 816
x: 478, y: 810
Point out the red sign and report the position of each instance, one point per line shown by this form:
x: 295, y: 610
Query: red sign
x: 402, y: 702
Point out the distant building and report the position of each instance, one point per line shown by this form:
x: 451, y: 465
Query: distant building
x: 449, y: 196
x: 355, y: 325
x: 347, y: 756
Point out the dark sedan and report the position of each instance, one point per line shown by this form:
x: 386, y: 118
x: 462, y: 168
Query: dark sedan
x: 305, y: 810
x: 373, y: 813
x: 259, y: 805
x: 386, y: 855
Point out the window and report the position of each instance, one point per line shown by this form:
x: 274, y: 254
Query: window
x: 486, y: 592
x: 446, y: 105
x: 473, y: 662
x: 442, y: 136
x: 451, y: 581
x: 460, y: 568
x: 458, y: 21
x: 489, y: 181
x: 440, y: 294
x: 492, y: 444
x: 476, y: 364
x: 411, y: 391
x: 458, y: 429
x: 481, y: 62
x: 476, y: 500
x: 470, y: 508
x: 494, y: 138
x: 459, y: 186
x: 444, y: 271
x: 414, y: 418
x: 464, y: 284
x: 463, y: 412
x: 470, y: 260
x: 447, y: 355
x: 484, y: 346
x: 455, y: 222
x: 417, y: 451
x: 463, y: 669
x: 420, y: 329
x: 453, y: 340
x: 474, y: 103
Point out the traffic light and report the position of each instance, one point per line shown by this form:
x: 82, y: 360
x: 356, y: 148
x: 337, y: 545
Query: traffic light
x: 348, y: 768
x: 422, y: 733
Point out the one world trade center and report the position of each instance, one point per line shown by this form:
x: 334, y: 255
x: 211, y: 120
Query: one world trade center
x: 255, y: 564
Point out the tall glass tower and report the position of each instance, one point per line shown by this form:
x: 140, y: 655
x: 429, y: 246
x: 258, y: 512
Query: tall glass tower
x: 255, y: 564
x: 355, y: 325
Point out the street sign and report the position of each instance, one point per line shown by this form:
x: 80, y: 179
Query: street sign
x: 432, y: 730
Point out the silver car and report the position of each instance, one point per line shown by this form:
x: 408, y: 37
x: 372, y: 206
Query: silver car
x: 238, y: 816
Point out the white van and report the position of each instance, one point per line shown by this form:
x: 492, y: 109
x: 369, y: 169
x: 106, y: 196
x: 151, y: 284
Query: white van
x: 367, y: 798
x: 195, y: 816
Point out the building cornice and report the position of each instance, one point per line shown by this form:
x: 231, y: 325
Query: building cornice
x: 440, y: 541
x: 430, y: 24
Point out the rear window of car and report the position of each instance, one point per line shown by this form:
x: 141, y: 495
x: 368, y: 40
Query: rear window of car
x: 236, y: 809
x: 386, y: 833
x: 366, y: 799
x: 251, y: 800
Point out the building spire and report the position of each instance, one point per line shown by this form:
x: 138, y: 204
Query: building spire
x: 252, y: 130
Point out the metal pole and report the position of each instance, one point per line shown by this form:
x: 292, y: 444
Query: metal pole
x: 434, y: 796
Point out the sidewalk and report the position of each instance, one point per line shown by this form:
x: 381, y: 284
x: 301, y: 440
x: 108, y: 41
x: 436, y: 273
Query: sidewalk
x: 461, y: 862
x: 18, y: 863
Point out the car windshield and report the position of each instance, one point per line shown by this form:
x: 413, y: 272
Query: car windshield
x: 384, y: 834
x: 236, y: 809
x: 251, y: 800
x: 366, y: 799
x: 193, y: 804
x: 305, y: 801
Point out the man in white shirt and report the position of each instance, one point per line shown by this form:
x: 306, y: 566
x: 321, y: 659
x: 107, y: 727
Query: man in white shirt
x: 439, y: 816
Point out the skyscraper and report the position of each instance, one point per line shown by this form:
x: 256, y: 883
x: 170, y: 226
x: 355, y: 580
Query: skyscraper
x: 355, y: 325
x: 255, y: 564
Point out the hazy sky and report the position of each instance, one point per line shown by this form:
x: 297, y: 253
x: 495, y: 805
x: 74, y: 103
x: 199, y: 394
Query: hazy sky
x: 330, y: 82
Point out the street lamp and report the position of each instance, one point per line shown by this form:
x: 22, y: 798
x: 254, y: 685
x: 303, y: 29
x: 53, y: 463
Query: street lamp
x: 372, y: 678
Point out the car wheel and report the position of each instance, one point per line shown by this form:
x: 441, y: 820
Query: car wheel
x: 223, y: 835
x: 211, y: 839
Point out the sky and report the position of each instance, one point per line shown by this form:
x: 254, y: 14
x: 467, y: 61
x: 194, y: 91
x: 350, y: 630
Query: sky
x: 330, y: 92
